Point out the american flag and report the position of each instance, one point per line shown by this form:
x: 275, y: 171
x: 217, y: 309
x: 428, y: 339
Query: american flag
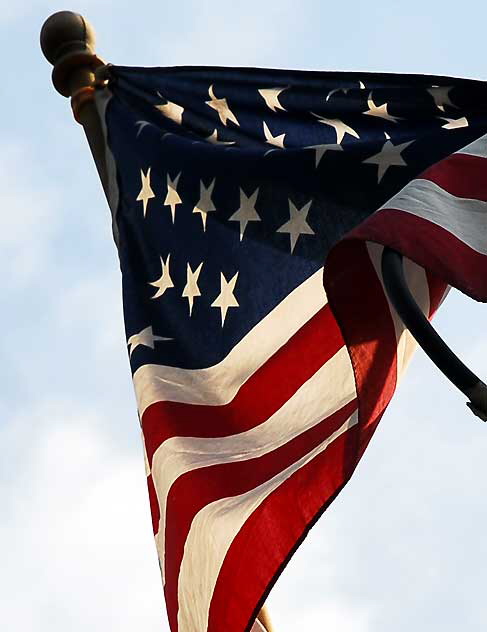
x: 258, y: 391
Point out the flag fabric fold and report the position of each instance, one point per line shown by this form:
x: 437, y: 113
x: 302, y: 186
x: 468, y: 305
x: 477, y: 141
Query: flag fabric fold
x: 250, y: 210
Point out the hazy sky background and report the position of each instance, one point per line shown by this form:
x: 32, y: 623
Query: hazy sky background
x: 403, y: 547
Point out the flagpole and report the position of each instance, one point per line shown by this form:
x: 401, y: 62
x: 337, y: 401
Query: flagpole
x: 264, y: 619
x: 68, y: 40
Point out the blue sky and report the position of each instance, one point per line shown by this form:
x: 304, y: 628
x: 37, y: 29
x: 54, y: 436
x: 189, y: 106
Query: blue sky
x: 403, y: 547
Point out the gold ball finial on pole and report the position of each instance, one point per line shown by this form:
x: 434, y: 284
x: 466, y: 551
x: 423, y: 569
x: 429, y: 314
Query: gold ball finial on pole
x: 64, y: 32
x: 68, y: 43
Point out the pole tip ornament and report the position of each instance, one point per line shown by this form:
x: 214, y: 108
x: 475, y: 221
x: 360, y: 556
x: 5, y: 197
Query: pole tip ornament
x: 68, y: 43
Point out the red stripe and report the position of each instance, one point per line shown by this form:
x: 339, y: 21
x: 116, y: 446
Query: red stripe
x: 154, y: 504
x: 272, y: 533
x: 308, y: 350
x: 196, y: 489
x: 461, y: 175
x: 431, y: 246
x: 362, y: 310
x: 437, y: 290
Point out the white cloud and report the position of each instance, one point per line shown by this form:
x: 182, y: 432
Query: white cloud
x: 14, y: 11
x: 326, y: 614
x: 76, y: 533
x: 28, y: 217
x: 246, y: 33
x: 91, y: 311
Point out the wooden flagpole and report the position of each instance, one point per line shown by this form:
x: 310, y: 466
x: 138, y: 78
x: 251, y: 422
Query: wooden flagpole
x: 68, y: 43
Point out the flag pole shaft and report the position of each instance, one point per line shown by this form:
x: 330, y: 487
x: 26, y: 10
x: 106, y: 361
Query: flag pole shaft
x: 67, y: 41
x: 264, y: 619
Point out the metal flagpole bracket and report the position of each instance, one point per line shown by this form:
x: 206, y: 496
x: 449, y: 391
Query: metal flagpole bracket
x: 427, y: 337
x: 68, y: 43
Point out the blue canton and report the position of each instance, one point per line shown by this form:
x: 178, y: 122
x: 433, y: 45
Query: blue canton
x: 235, y: 183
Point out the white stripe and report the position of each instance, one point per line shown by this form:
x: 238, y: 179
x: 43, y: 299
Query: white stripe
x: 464, y: 218
x: 212, y: 532
x: 146, y: 460
x: 258, y: 627
x: 418, y: 284
x: 328, y: 390
x: 477, y: 148
x: 218, y: 384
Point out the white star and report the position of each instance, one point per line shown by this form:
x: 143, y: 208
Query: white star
x: 278, y: 141
x: 146, y: 338
x: 213, y: 138
x: 171, y: 110
x: 146, y: 193
x: 141, y: 125
x: 339, y: 126
x: 344, y: 90
x: 441, y: 96
x: 164, y: 282
x: 221, y: 106
x: 335, y: 90
x: 321, y: 151
x: 172, y: 197
x: 226, y: 297
x: 191, y: 289
x: 389, y: 155
x: 454, y: 123
x: 297, y: 224
x: 246, y: 213
x: 271, y: 97
x: 379, y: 110
x: 205, y: 204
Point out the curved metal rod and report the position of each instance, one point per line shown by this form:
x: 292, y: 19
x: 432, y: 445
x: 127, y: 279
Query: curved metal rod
x: 426, y: 336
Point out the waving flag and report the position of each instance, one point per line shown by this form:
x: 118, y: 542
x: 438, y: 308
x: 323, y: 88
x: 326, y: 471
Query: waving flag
x: 258, y: 390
